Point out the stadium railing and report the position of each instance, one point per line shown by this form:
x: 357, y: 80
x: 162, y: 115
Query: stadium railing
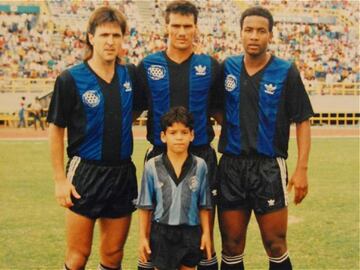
x: 26, y: 85
x: 322, y: 88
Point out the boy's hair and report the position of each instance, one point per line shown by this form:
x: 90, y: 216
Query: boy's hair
x: 257, y: 11
x: 98, y: 17
x: 181, y: 7
x: 177, y: 115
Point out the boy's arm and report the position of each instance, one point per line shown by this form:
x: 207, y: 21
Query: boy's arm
x: 145, y: 227
x: 205, y: 227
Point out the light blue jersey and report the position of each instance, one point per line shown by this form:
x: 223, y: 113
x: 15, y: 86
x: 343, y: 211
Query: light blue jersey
x: 174, y: 204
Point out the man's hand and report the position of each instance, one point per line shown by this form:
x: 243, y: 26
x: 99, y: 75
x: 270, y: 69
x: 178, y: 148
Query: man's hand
x: 63, y: 191
x: 300, y: 182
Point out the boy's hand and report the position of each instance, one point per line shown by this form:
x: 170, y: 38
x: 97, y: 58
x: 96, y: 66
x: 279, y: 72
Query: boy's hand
x: 144, y: 250
x: 206, y: 245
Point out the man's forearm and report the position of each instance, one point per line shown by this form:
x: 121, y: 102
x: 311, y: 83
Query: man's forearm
x: 56, y: 138
x: 303, y: 138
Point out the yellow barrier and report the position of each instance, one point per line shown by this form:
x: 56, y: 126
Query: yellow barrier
x: 337, y: 119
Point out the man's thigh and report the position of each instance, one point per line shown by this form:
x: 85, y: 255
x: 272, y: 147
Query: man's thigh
x: 79, y: 233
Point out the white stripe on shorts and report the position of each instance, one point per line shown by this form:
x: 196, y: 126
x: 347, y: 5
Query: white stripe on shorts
x: 283, y: 173
x: 74, y: 163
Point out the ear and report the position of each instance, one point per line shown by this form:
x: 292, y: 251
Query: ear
x: 163, y: 136
x: 270, y: 36
x: 192, y: 134
x: 197, y: 34
x: 91, y: 39
x: 166, y: 29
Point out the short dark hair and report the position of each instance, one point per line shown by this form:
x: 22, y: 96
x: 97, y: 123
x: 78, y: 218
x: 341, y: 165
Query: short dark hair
x: 177, y: 115
x: 257, y: 11
x: 181, y: 7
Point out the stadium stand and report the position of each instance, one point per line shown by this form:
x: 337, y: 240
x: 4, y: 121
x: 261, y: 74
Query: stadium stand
x: 38, y: 41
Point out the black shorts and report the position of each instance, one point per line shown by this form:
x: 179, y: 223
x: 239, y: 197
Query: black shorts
x: 173, y: 246
x: 106, y: 191
x: 254, y: 183
x: 205, y: 152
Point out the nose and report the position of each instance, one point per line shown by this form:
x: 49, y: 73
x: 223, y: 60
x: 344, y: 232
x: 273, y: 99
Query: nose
x: 179, y: 136
x: 110, y: 39
x: 254, y: 35
x: 182, y: 30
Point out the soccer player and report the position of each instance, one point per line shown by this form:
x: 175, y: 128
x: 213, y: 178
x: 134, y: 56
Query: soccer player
x: 178, y: 77
x: 93, y: 100
x: 263, y: 96
x: 174, y: 202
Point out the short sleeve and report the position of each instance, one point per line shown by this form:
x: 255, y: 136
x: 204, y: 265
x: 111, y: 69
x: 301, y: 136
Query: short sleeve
x: 140, y: 97
x: 298, y: 104
x: 216, y: 90
x: 146, y: 195
x: 62, y: 100
x: 204, y: 194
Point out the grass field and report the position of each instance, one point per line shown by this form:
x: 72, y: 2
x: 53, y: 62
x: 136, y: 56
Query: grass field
x: 323, y: 231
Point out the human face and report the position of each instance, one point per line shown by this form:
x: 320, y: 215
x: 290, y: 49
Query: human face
x: 177, y: 138
x: 106, y: 41
x: 255, y: 35
x: 181, y: 30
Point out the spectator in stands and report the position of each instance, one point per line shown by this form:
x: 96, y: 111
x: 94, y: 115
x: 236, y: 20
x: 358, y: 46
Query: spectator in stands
x: 93, y: 100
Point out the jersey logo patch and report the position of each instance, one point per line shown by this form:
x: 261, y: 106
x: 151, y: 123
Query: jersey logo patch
x: 127, y: 87
x: 156, y: 72
x: 193, y: 183
x: 91, y: 98
x: 270, y: 89
x: 230, y: 82
x: 200, y: 70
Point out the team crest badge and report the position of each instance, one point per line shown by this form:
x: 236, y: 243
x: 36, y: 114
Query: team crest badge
x: 230, y: 82
x: 270, y: 89
x: 200, y: 70
x: 156, y: 72
x: 91, y: 98
x: 193, y: 183
x: 127, y: 87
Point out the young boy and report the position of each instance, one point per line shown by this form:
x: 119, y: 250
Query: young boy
x: 174, y: 202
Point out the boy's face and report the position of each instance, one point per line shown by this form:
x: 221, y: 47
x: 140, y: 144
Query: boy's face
x: 177, y: 138
x: 106, y: 41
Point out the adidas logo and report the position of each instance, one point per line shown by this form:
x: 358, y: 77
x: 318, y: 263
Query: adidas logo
x: 270, y: 89
x: 200, y: 70
x: 271, y: 202
x: 127, y: 86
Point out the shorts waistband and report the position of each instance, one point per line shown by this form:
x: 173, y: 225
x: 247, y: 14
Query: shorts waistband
x: 161, y: 225
x: 249, y: 156
x: 112, y: 163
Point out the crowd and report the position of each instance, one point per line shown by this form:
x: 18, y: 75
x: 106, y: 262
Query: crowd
x: 41, y: 46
